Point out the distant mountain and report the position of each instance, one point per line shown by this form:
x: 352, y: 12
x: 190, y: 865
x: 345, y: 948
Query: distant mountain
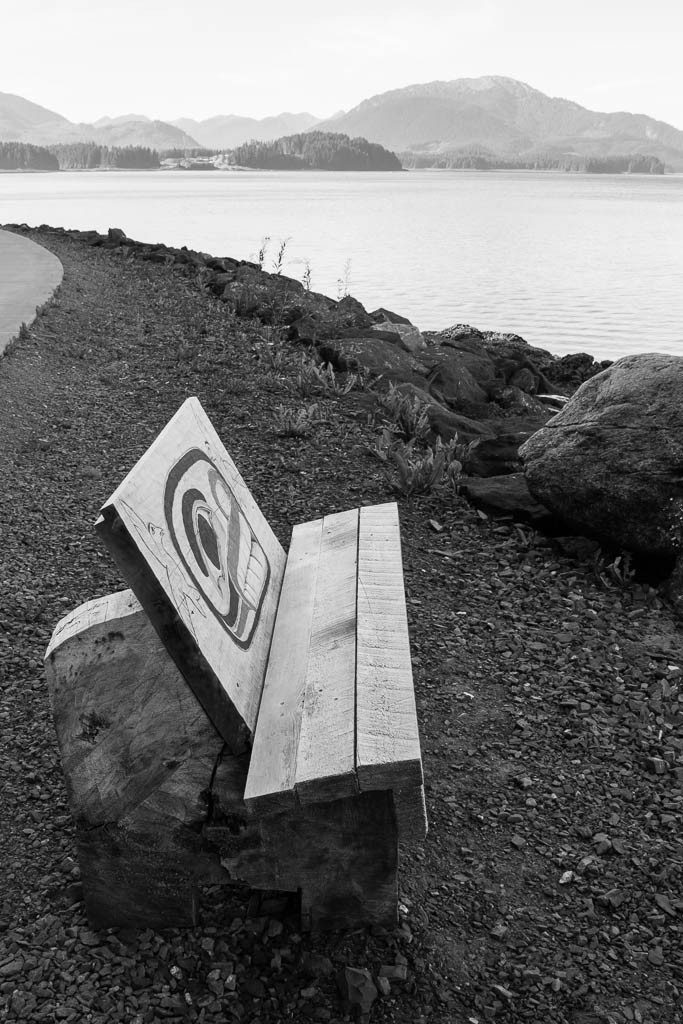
x: 505, y: 117
x: 226, y: 131
x: 102, y: 122
x: 19, y: 116
x: 23, y: 121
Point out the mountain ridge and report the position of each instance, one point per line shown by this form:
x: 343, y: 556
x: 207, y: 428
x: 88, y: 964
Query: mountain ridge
x: 503, y: 115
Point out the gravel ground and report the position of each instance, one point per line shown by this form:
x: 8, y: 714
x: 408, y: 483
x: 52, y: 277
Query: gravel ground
x: 550, y: 705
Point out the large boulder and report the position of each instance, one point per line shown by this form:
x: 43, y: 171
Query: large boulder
x: 611, y: 463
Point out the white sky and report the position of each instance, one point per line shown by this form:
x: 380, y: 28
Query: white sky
x: 197, y: 58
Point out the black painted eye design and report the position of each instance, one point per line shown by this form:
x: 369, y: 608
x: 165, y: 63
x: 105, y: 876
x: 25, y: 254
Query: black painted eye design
x: 216, y: 545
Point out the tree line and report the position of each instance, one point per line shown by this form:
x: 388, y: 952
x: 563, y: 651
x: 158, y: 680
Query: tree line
x: 324, y: 151
x: 21, y: 156
x: 475, y: 160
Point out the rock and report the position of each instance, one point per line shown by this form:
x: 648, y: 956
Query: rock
x: 353, y: 313
x: 473, y: 359
x: 511, y: 354
x: 379, y: 357
x: 442, y: 422
x: 453, y: 384
x: 407, y: 336
x: 116, y: 235
x: 383, y: 315
x: 495, y: 456
x: 573, y: 370
x: 357, y: 988
x: 508, y: 493
x: 673, y: 588
x: 523, y: 379
x: 519, y: 403
x: 611, y: 462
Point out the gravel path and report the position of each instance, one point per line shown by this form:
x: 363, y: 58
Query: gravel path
x: 29, y: 275
x: 551, y: 713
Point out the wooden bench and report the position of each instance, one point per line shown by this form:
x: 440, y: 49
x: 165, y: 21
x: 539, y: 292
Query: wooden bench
x: 239, y: 714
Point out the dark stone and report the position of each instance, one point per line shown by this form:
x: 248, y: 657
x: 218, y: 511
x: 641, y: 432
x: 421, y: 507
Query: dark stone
x: 373, y: 354
x: 508, y: 493
x: 495, y: 456
x: 382, y: 315
x: 611, y: 462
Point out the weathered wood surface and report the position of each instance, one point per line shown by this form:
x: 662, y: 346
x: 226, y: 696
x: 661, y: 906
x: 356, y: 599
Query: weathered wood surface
x: 201, y: 558
x: 139, y: 754
x: 341, y: 855
x: 325, y: 768
x: 387, y: 740
x: 127, y: 724
x: 411, y: 815
x: 272, y: 772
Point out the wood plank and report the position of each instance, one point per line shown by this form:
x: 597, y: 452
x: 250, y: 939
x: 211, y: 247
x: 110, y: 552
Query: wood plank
x: 387, y: 740
x: 204, y: 563
x: 272, y: 770
x: 325, y: 768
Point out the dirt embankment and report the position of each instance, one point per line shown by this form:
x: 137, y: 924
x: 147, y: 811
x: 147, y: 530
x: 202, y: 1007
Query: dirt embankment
x: 549, y: 888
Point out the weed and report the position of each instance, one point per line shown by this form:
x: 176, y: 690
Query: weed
x: 343, y: 281
x: 295, y: 422
x: 315, y: 379
x: 271, y: 348
x: 383, y: 446
x: 23, y: 332
x: 307, y: 276
x: 406, y: 415
x: 279, y: 259
x: 260, y: 259
x: 619, y: 572
x: 423, y: 472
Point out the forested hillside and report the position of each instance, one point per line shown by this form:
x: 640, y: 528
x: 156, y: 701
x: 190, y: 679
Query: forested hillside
x: 325, y: 151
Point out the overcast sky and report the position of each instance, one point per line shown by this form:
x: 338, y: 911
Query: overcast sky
x: 197, y: 58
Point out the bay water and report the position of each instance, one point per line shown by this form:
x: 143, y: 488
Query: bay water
x: 573, y: 263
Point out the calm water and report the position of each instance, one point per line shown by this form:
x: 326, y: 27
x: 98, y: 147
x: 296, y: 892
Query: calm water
x: 572, y: 263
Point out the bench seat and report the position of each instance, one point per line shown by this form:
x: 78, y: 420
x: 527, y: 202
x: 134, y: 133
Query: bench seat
x: 337, y: 713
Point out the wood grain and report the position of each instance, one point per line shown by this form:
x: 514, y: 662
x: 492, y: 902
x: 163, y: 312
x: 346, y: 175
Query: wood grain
x: 139, y: 754
x: 387, y: 740
x: 204, y: 563
x: 325, y: 768
x: 340, y: 855
x: 272, y: 771
x: 126, y: 721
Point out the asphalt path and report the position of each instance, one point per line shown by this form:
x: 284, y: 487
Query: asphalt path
x: 29, y: 275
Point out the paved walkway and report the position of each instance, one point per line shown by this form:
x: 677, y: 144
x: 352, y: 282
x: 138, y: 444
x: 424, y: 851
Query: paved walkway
x: 29, y: 275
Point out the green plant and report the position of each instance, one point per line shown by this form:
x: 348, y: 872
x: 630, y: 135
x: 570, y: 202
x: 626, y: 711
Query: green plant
x: 306, y: 279
x: 295, y: 422
x: 279, y: 259
x: 343, y: 281
x: 423, y: 472
x: 316, y: 379
x: 619, y: 572
x: 23, y: 332
x: 406, y: 415
x: 271, y: 347
x: 260, y: 259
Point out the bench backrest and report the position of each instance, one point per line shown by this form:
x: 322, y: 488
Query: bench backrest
x: 200, y: 557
